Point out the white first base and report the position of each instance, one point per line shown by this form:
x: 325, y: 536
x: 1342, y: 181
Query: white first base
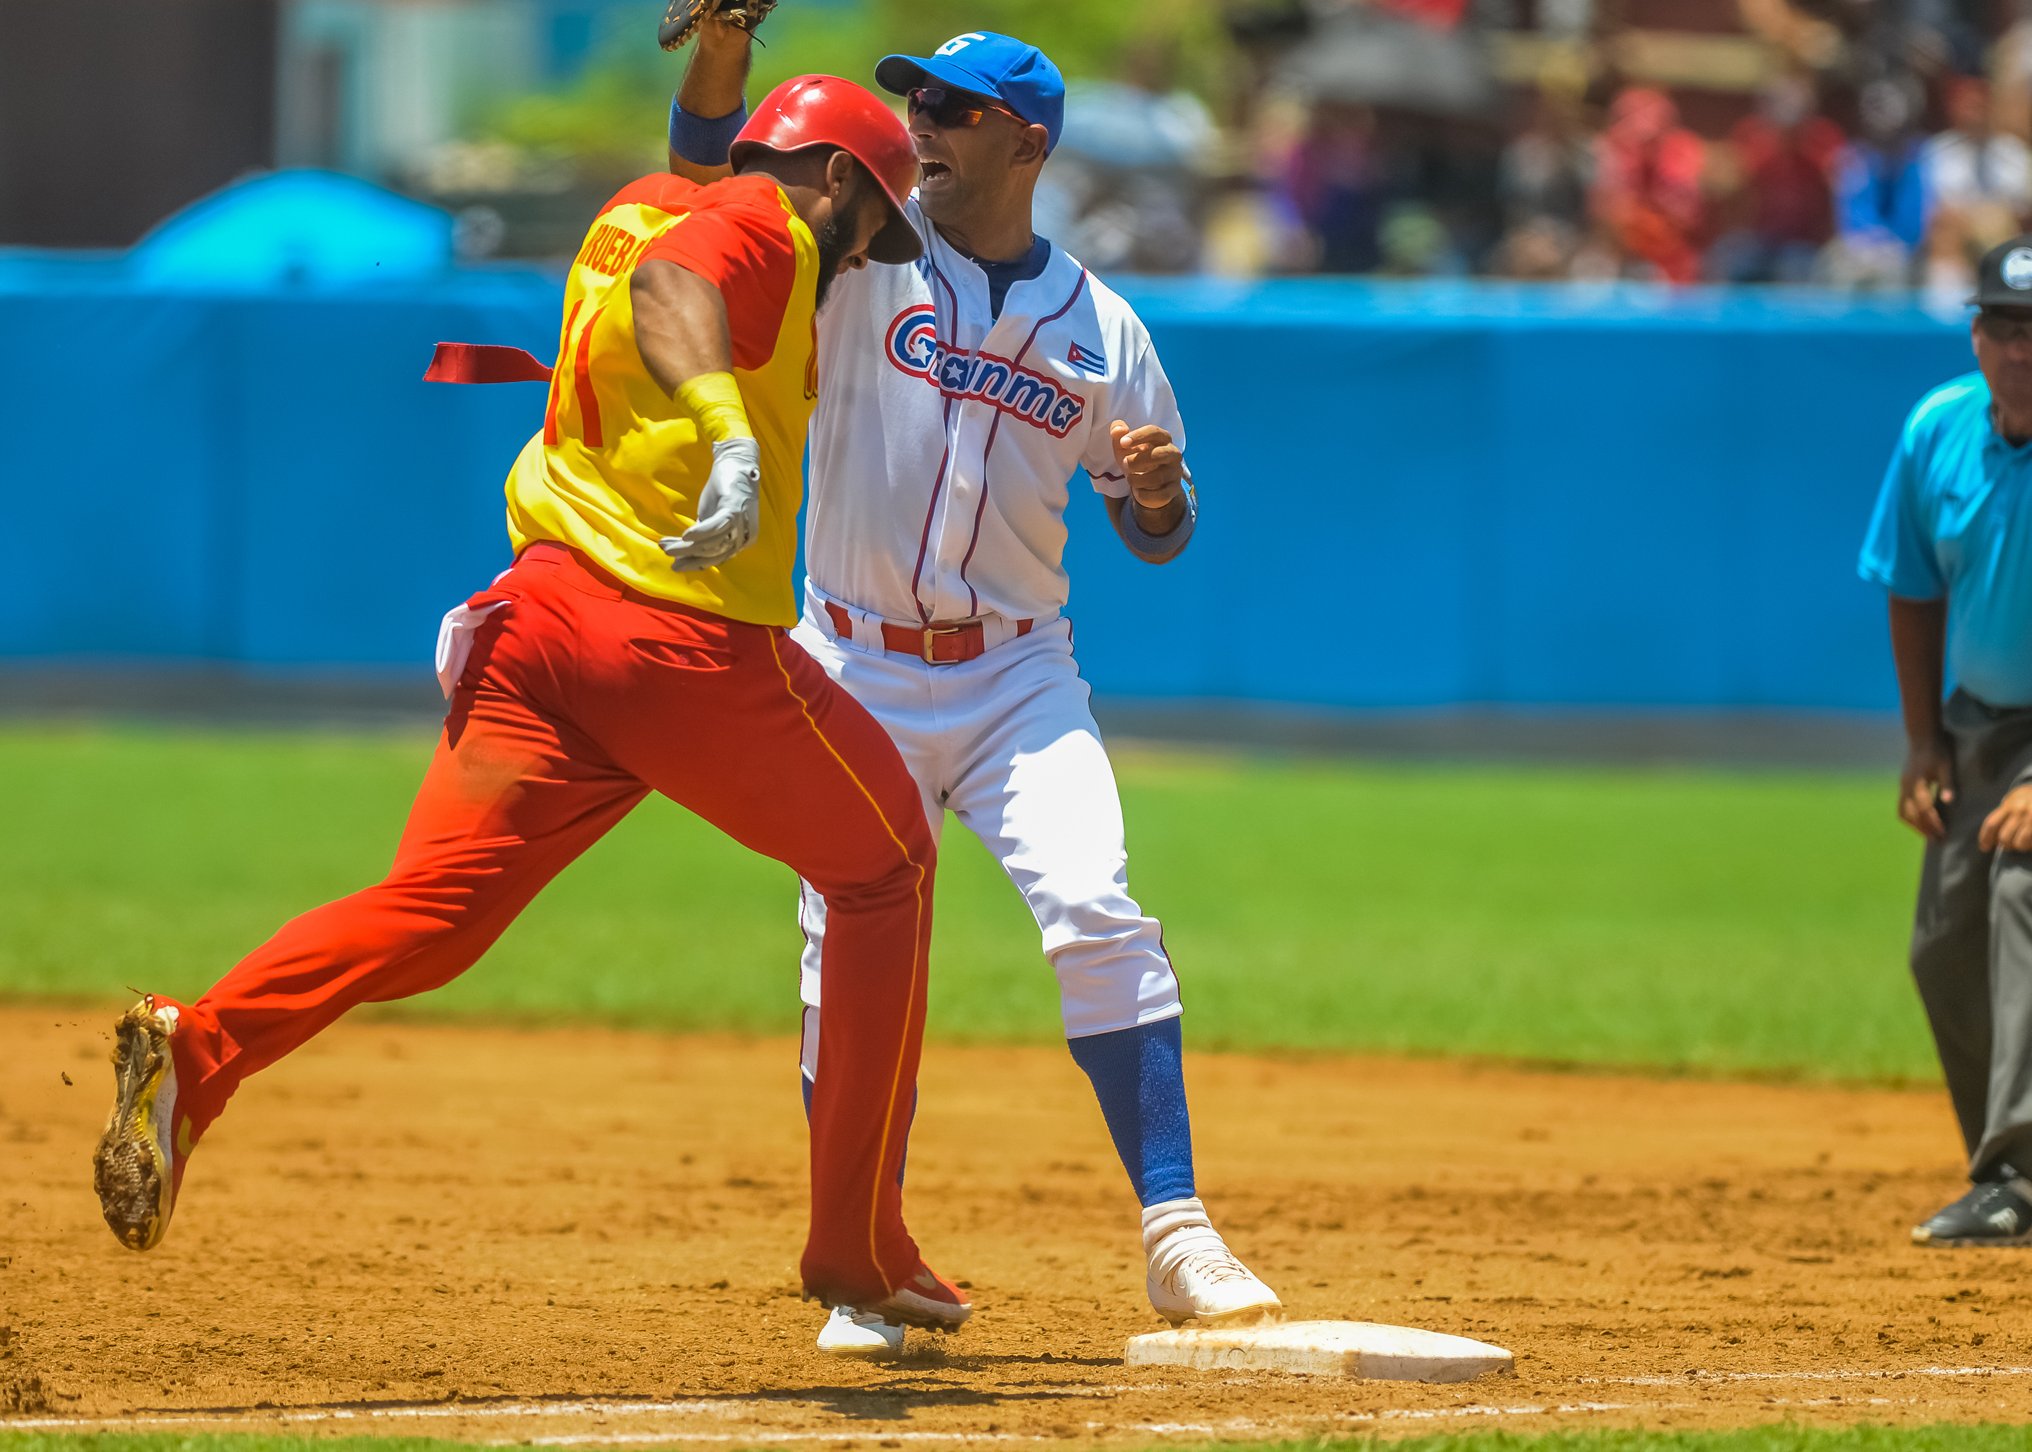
x: 1323, y: 1348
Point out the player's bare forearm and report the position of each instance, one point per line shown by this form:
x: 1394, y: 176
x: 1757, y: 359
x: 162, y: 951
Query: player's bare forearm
x: 680, y: 324
x: 716, y: 77
x: 715, y: 82
x: 1919, y: 648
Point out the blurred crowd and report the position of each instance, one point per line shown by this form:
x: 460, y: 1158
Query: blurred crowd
x: 1863, y: 144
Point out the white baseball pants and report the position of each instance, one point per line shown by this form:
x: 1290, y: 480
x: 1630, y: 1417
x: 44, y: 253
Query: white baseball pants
x: 1008, y: 743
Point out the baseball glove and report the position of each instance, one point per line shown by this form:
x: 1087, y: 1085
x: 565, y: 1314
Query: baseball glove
x: 681, y: 18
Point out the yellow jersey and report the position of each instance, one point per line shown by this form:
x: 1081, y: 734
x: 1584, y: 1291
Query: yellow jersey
x: 619, y: 463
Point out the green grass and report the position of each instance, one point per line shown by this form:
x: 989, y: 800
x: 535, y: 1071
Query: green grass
x: 1707, y: 921
x: 1778, y: 1438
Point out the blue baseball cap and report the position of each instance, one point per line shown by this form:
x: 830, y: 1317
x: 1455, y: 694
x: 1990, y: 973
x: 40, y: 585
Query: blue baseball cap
x: 1020, y: 76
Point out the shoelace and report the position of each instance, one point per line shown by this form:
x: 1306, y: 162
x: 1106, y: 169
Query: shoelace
x: 1214, y: 1266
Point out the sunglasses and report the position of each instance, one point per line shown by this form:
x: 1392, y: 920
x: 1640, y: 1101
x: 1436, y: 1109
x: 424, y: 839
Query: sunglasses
x: 2005, y: 327
x: 949, y: 110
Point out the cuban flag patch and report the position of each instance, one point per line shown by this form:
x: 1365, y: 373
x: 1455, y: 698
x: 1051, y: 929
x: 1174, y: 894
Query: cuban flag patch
x: 1090, y: 361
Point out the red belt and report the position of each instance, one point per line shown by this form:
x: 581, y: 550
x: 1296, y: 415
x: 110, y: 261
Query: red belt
x: 933, y: 644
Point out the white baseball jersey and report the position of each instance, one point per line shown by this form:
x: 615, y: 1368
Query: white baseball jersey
x: 942, y: 456
x: 942, y: 452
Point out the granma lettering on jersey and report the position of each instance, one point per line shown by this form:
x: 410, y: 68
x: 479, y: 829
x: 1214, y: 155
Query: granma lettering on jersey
x: 914, y: 347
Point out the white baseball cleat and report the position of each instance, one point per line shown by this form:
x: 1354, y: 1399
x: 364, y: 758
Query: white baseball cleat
x: 865, y: 1334
x: 1193, y: 1274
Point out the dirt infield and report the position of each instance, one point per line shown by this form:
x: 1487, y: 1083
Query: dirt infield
x: 587, y: 1238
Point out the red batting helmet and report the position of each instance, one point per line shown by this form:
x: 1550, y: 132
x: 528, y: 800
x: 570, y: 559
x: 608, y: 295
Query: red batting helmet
x: 827, y: 111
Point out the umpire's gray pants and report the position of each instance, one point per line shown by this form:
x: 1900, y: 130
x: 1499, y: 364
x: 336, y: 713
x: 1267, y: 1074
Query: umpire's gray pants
x: 1972, y: 941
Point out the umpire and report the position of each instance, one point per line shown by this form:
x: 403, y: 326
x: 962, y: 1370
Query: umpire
x: 1951, y: 540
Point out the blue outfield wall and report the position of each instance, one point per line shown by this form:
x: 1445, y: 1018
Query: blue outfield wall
x: 1413, y: 496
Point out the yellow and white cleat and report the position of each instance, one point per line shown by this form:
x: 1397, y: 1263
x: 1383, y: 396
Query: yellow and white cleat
x: 139, y: 1162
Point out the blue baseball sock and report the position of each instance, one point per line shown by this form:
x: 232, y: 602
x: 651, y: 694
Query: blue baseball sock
x: 804, y: 1083
x: 1139, y: 1077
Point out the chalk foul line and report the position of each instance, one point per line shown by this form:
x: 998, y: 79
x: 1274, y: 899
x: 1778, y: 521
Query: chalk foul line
x: 1694, y: 1378
x: 721, y: 1410
x: 748, y: 1408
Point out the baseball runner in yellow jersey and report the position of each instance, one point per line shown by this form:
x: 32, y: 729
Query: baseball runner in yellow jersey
x: 637, y: 644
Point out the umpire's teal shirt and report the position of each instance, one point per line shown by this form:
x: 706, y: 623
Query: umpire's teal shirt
x: 1955, y: 520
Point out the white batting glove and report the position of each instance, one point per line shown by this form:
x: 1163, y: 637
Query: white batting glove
x: 730, y: 510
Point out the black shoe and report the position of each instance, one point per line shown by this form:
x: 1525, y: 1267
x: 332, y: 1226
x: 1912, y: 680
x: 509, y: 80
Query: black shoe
x: 1996, y: 1213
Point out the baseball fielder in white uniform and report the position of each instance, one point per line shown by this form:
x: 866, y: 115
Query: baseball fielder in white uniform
x: 961, y: 396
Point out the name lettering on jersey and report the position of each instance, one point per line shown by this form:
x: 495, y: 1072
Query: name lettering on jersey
x: 612, y: 250
x: 914, y: 347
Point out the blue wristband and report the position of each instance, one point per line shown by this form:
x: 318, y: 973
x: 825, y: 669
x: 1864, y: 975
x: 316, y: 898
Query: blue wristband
x: 701, y: 141
x: 1157, y: 549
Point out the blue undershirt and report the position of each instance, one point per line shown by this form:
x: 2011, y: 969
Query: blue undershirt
x: 1004, y: 275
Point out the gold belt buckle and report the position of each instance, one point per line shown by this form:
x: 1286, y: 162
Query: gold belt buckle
x: 931, y: 633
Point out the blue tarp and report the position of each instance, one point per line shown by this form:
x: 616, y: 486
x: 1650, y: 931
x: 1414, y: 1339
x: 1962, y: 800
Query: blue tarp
x: 1413, y: 495
x: 295, y: 229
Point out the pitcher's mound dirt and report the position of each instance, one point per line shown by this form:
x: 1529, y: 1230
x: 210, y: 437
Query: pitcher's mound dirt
x: 592, y: 1237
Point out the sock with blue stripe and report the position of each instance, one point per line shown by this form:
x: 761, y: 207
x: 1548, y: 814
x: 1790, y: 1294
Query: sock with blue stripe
x: 1138, y: 1076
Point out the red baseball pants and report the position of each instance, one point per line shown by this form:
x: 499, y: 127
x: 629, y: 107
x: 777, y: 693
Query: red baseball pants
x: 581, y: 697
